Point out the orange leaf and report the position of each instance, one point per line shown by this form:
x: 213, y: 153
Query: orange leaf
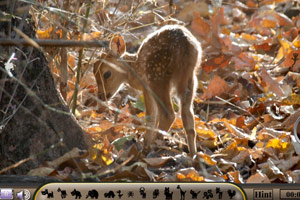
x: 248, y: 37
x: 283, y: 20
x: 194, y: 176
x: 180, y: 176
x: 292, y: 60
x: 218, y: 62
x: 206, y: 133
x: 71, y: 60
x: 94, y: 129
x: 236, y: 176
x: 265, y: 46
x: 216, y: 87
x: 59, y: 33
x: 266, y: 2
x: 240, y: 122
x: 293, y: 99
x: 251, y: 4
x: 244, y: 60
x: 258, y: 178
x: 217, y: 19
x: 271, y: 84
x: 91, y: 36
x: 177, y: 123
x: 199, y: 25
x: 208, y: 160
x: 229, y: 46
x: 268, y: 23
x: 280, y: 55
x: 141, y: 115
x: 296, y: 42
x: 286, y: 47
x: 44, y: 34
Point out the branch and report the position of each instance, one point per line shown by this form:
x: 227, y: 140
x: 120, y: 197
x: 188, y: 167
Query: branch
x: 57, y: 43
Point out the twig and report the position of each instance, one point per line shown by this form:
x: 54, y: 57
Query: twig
x: 241, y: 109
x: 78, y: 74
x: 51, y: 43
x: 16, y: 164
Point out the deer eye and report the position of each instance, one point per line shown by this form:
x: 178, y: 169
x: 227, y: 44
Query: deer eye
x: 107, y: 74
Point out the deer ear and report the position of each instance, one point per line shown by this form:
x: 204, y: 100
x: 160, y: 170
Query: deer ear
x: 117, y: 45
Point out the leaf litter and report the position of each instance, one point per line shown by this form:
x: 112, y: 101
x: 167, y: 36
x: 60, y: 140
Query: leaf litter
x: 246, y: 105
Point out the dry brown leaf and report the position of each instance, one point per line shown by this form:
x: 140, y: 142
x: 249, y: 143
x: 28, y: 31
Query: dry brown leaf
x: 258, y: 178
x: 244, y: 61
x: 236, y: 177
x: 157, y: 162
x: 243, y: 157
x: 220, y: 61
x: 289, y: 122
x: 285, y: 49
x: 42, y: 171
x: 190, y: 8
x: 292, y: 60
x: 270, y: 84
x: 73, y: 154
x: 216, y: 87
x: 257, y: 154
x: 199, y: 25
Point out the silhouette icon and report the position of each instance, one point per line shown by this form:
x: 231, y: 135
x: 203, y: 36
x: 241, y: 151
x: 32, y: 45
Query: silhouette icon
x: 109, y: 194
x: 119, y: 194
x: 168, y: 195
x: 218, y: 191
x: 155, y: 193
x: 93, y: 194
x: 49, y: 194
x: 182, y: 193
x: 130, y: 194
x: 142, y: 192
x: 194, y: 194
x: 231, y: 193
x: 208, y: 194
x: 63, y: 193
x: 76, y: 193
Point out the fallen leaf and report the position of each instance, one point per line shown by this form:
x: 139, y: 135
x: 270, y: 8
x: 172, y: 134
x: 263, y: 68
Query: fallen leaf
x: 216, y: 87
x: 258, y: 178
x: 199, y: 25
x: 271, y: 85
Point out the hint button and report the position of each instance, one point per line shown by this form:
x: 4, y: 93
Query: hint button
x: 263, y: 194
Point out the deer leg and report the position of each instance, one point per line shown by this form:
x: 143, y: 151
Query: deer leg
x: 187, y: 115
x: 165, y: 111
x: 151, y: 119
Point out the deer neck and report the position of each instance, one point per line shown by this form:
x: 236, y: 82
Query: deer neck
x: 132, y: 70
x: 130, y: 59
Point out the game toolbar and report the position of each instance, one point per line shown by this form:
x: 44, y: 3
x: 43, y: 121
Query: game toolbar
x: 153, y: 191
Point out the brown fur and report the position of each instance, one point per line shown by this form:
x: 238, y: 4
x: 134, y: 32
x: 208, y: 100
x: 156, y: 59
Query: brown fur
x: 166, y: 62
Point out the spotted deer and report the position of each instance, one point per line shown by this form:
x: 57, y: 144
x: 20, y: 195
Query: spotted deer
x: 164, y: 66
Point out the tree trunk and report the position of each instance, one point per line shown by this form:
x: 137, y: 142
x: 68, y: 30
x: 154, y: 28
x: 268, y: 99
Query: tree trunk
x: 34, y: 120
